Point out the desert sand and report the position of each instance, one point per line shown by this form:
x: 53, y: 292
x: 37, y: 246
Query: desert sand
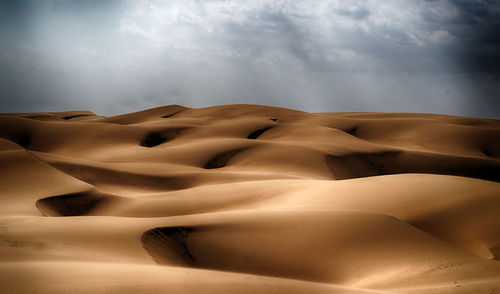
x: 249, y: 199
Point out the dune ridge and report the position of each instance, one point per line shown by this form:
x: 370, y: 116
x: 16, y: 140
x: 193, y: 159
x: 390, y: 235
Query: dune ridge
x: 249, y: 198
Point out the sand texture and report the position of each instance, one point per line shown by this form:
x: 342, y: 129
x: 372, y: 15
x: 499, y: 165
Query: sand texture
x: 249, y: 199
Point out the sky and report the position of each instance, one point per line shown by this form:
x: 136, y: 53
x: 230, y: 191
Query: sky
x: 111, y: 57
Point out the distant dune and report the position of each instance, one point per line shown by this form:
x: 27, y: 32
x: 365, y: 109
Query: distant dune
x: 249, y: 199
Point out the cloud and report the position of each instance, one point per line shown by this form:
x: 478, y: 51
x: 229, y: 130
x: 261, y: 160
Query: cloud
x: 310, y: 33
x: 474, y: 25
x: 357, y: 13
x: 333, y: 55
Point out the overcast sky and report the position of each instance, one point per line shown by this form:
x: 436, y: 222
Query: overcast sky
x: 110, y: 57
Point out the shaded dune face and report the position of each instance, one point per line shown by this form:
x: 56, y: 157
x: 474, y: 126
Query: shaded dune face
x: 23, y: 140
x: 159, y: 137
x: 256, y: 134
x: 397, y: 162
x: 362, y: 164
x: 171, y: 114
x: 220, y: 160
x: 76, y: 116
x: 168, y: 246
x: 249, y: 199
x: 351, y: 131
x: 152, y: 139
x: 70, y: 204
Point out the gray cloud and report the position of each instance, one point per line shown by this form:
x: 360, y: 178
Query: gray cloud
x: 114, y: 56
x: 358, y: 13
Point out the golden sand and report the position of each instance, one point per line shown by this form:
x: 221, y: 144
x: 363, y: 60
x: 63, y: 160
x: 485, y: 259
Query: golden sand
x: 249, y: 199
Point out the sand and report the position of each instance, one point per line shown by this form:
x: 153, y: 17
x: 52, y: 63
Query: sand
x: 249, y: 199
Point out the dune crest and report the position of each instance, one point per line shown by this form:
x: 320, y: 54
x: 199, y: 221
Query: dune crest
x: 249, y: 199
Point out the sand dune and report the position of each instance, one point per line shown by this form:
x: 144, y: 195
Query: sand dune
x: 249, y: 199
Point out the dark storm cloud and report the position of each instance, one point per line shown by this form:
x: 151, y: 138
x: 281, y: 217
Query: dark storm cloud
x: 481, y: 35
x: 118, y: 56
x: 476, y: 52
x: 480, y: 56
x: 476, y: 25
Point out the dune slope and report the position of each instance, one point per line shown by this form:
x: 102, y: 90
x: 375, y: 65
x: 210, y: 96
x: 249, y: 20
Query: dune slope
x: 249, y: 199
